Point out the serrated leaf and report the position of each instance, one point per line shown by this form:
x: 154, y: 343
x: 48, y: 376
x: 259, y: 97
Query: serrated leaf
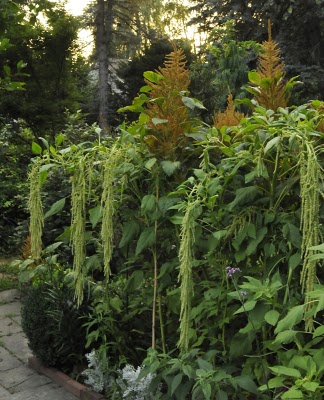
x: 145, y: 240
x: 271, y: 317
x: 55, y: 208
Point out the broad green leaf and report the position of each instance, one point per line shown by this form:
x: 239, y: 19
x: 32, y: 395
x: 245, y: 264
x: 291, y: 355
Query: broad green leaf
x: 146, y: 239
x: 169, y: 167
x: 281, y: 370
x: 292, y: 233
x: 285, y: 337
x: 245, y: 195
x: 42, y: 177
x: 192, y: 103
x: 166, y: 202
x: 148, y: 204
x: 273, y: 383
x: 272, y: 317
x: 252, y: 246
x: 46, y: 167
x: 175, y: 383
x: 310, y: 386
x: 273, y: 142
x: 149, y: 164
x: 56, y: 208
x: 52, y: 247
x: 36, y: 148
x: 319, y: 331
x: 248, y: 306
x: 294, y: 316
x: 130, y: 230
x: 220, y: 234
x: 135, y: 280
x: 95, y: 215
x: 254, y: 77
x: 292, y: 393
x: 221, y: 395
x: 294, y: 260
x: 59, y: 139
x: 245, y: 382
x: 206, y: 388
x: 153, y: 76
x: 145, y: 89
x: 204, y: 364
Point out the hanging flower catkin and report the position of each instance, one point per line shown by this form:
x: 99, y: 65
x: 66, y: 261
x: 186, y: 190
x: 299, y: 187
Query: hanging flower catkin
x: 36, y: 212
x: 107, y: 204
x: 310, y: 176
x: 187, y: 239
x: 78, y: 215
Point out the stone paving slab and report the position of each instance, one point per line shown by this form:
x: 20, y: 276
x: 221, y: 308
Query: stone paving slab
x: 7, y: 360
x: 17, y: 344
x: 4, y: 394
x: 48, y: 392
x: 10, y: 309
x: 8, y: 326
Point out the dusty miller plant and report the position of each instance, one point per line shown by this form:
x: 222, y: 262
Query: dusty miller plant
x: 131, y: 386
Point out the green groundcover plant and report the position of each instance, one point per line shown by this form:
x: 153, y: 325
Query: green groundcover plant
x: 200, y: 247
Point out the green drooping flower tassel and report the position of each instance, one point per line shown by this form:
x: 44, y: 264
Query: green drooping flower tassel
x: 187, y: 237
x: 107, y: 204
x: 78, y: 215
x: 310, y: 179
x: 36, y: 212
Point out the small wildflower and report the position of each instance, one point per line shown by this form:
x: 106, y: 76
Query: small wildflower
x: 243, y: 293
x: 230, y: 271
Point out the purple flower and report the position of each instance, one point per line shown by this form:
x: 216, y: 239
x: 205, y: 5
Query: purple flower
x: 230, y: 271
x: 243, y: 293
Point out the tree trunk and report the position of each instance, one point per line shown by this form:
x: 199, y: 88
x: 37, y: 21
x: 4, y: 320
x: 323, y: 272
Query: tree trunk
x: 102, y: 57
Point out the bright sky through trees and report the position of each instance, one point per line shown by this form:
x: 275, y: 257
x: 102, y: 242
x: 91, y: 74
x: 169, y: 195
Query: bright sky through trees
x: 76, y: 6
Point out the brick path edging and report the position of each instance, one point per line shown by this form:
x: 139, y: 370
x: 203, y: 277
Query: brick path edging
x: 72, y: 386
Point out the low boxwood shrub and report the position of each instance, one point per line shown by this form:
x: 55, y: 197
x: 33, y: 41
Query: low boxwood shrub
x: 53, y: 325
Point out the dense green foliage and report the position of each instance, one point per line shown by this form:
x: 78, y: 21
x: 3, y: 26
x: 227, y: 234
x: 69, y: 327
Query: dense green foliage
x: 200, y: 245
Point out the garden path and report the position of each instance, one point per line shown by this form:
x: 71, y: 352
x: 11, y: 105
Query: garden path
x: 17, y: 381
